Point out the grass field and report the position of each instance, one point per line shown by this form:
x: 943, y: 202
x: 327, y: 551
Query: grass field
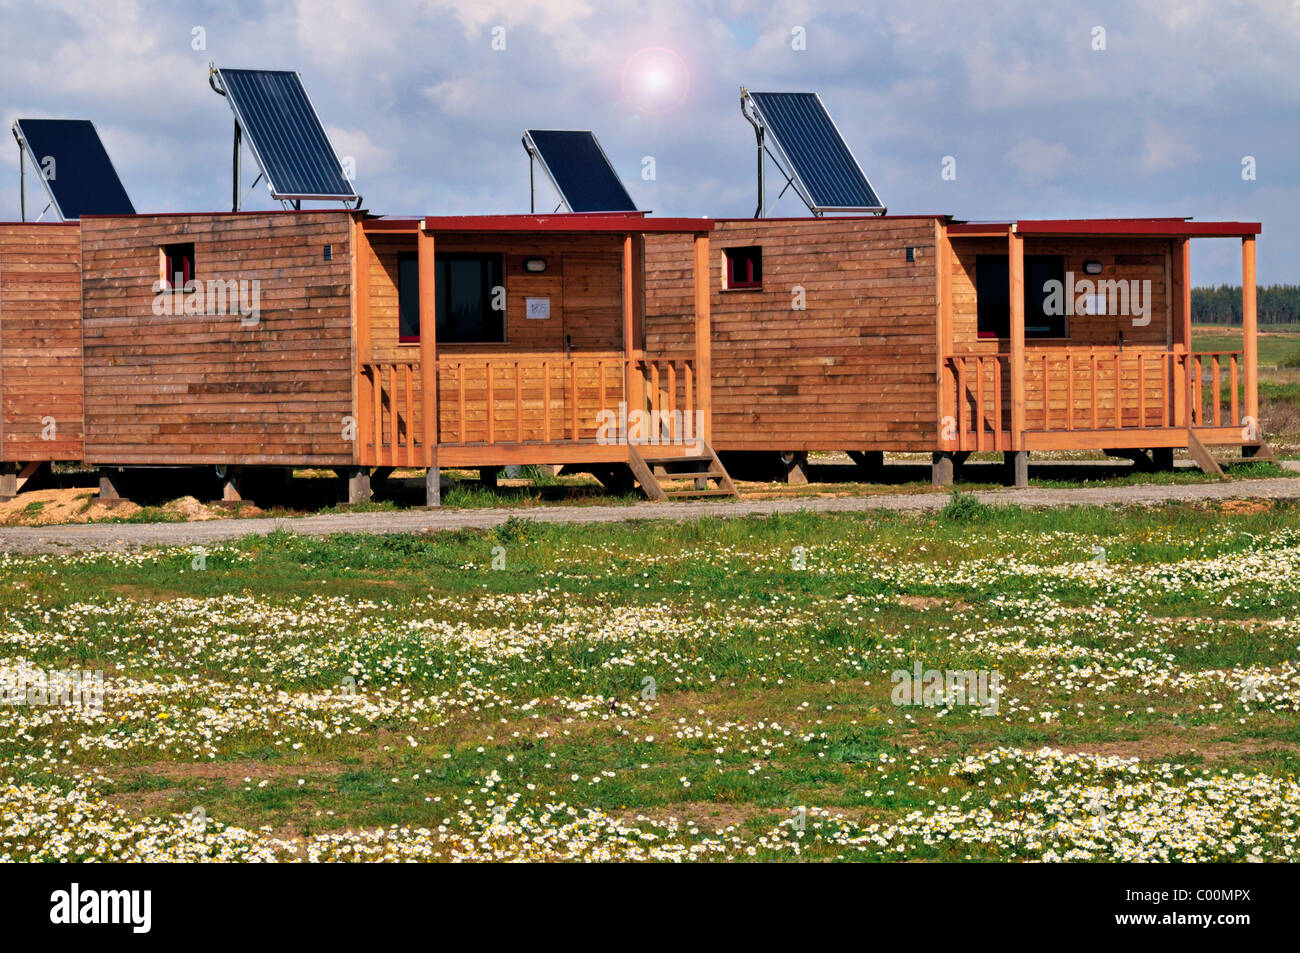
x: 1279, y: 384
x: 706, y: 690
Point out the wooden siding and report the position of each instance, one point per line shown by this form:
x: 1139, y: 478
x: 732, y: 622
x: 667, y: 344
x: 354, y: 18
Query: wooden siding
x: 1123, y: 259
x: 855, y: 370
x: 205, y: 388
x: 40, y: 342
x: 583, y: 281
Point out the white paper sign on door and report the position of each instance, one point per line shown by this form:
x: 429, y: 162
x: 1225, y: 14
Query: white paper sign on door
x: 537, y: 309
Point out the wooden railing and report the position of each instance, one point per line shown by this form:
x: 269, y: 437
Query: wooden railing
x: 669, y: 393
x: 483, y: 401
x: 1217, y: 368
x: 1090, y: 389
x: 388, y: 410
x: 982, y: 394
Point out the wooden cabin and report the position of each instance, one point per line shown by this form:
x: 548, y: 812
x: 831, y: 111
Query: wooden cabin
x: 919, y: 333
x: 332, y: 338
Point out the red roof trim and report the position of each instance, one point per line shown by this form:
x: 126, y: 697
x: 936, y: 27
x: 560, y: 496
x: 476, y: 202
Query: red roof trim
x: 269, y: 211
x: 1160, y: 227
x: 570, y: 222
x: 979, y: 228
x: 1150, y: 227
x: 839, y: 218
x: 71, y: 223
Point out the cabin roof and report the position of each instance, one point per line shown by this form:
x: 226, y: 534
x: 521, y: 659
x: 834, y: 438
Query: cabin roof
x: 1138, y: 227
x: 566, y: 222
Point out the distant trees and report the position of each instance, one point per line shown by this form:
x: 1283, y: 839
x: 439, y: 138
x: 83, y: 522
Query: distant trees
x: 1275, y: 304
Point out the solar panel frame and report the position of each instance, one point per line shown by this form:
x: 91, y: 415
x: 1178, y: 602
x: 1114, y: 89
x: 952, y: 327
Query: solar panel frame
x: 803, y: 187
x: 537, y: 152
x: 23, y: 134
x: 241, y: 116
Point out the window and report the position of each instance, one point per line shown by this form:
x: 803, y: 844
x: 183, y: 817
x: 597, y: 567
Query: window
x: 408, y: 298
x: 469, y: 298
x: 177, y: 266
x: 993, y: 296
x: 744, y: 267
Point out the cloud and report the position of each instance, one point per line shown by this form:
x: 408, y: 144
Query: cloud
x: 1040, y: 122
x: 1039, y: 161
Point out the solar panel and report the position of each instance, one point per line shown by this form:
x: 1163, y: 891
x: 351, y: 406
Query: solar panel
x: 74, y: 166
x: 818, y: 157
x: 579, y: 169
x: 286, y: 135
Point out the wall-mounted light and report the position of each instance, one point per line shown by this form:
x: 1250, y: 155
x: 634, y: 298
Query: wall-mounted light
x: 535, y: 265
x: 1092, y: 267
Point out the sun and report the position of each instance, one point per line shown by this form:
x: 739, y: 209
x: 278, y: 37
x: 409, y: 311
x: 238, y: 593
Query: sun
x: 655, y: 80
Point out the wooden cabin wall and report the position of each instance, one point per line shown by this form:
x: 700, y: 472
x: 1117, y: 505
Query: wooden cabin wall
x: 1121, y: 259
x: 583, y: 280
x: 855, y: 370
x: 40, y: 342
x: 203, y: 388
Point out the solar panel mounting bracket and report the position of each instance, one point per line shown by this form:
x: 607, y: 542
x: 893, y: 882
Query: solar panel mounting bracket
x: 24, y: 151
x: 532, y: 184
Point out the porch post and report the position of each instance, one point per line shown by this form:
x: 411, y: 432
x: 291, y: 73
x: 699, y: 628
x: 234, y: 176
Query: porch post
x: 1249, y: 338
x: 1181, y: 381
x: 428, y: 365
x: 361, y: 312
x: 947, y: 380
x: 633, y: 320
x: 1016, y: 272
x: 703, y: 343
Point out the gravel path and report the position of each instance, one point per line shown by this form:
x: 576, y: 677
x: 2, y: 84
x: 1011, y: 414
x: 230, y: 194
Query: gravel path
x: 123, y: 536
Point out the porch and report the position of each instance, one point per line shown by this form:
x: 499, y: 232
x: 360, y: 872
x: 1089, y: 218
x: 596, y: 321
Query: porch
x: 1098, y: 376
x: 559, y: 373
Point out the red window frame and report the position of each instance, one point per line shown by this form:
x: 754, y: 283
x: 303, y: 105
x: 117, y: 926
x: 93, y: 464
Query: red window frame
x: 750, y: 257
x: 184, y: 252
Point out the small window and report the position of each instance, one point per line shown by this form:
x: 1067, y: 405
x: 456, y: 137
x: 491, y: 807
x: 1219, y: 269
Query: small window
x: 469, y: 297
x: 177, y: 266
x: 744, y: 267
x: 993, y: 296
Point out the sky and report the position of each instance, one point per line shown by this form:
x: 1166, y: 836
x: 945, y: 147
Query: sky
x: 1036, y: 109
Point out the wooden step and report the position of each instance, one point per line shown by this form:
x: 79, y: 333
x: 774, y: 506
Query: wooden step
x: 1201, y: 455
x: 665, y: 461
x: 664, y: 473
x: 699, y: 468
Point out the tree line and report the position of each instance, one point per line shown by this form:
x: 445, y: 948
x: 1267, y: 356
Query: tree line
x: 1274, y: 304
